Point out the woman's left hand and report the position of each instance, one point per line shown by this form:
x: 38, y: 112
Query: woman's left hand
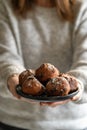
x: 75, y: 98
x: 79, y: 95
x: 54, y: 104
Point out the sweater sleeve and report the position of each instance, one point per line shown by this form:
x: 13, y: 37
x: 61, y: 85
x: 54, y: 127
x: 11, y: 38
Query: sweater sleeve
x: 79, y: 41
x: 10, y: 58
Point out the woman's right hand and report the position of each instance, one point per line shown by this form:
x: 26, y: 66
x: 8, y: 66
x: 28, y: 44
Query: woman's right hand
x: 12, y: 82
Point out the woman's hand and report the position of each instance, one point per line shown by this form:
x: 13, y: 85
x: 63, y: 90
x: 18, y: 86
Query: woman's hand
x: 54, y: 104
x: 12, y: 82
x: 79, y: 95
x: 75, y: 98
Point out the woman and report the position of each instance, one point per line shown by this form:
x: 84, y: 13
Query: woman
x: 33, y: 32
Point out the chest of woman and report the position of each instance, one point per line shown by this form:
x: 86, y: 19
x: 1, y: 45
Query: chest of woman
x: 44, y: 38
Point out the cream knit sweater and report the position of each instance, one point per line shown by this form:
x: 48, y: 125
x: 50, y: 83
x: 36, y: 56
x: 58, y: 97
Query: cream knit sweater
x: 27, y: 43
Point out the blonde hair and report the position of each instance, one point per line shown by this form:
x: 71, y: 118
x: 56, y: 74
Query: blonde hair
x: 64, y: 8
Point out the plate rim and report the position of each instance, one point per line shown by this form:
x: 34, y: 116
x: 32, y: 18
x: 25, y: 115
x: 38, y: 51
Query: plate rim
x: 45, y: 98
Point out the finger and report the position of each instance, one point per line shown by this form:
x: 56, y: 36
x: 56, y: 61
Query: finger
x: 59, y: 103
x: 43, y: 104
x: 53, y: 104
x: 78, y: 96
x: 17, y: 96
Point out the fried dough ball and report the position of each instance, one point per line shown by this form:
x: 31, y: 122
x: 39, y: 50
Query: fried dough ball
x: 72, y: 81
x: 45, y: 72
x: 58, y: 86
x: 32, y: 86
x: 24, y: 75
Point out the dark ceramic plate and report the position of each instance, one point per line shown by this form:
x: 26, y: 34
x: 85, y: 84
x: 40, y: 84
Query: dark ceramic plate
x: 45, y: 98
